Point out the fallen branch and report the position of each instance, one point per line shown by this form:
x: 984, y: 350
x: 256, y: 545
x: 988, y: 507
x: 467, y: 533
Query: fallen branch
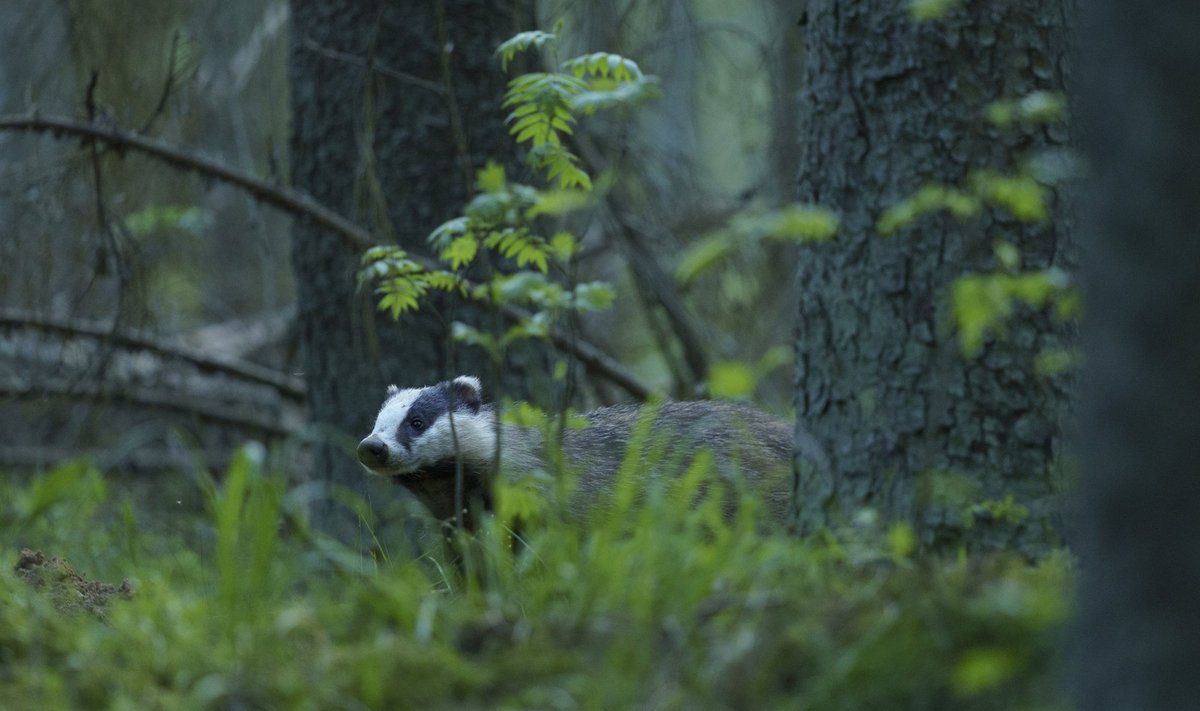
x: 289, y: 387
x: 183, y: 403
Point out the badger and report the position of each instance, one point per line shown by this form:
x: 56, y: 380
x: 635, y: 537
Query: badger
x: 415, y: 444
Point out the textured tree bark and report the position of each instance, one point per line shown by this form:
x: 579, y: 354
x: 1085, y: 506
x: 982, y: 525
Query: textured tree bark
x: 380, y: 135
x: 1137, y: 644
x: 912, y: 428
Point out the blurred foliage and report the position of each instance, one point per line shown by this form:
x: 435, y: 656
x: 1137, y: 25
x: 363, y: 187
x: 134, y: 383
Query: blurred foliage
x: 190, y: 219
x: 508, y: 220
x: 932, y: 9
x: 1039, y: 107
x: 982, y: 304
x: 654, y: 603
x: 735, y: 380
x: 794, y: 223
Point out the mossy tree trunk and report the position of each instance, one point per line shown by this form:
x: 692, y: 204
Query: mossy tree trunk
x: 913, y: 429
x: 392, y: 113
x: 1138, y: 611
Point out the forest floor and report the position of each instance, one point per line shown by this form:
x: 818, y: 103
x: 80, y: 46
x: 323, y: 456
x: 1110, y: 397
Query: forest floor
x: 235, y: 602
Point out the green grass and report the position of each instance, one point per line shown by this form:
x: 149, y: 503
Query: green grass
x: 238, y: 604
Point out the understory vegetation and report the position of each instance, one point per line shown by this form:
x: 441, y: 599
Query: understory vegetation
x: 237, y: 603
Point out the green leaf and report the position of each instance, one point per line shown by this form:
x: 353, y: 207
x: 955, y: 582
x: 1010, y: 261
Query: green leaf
x: 560, y: 163
x: 448, y: 282
x: 523, y: 414
x: 1055, y: 361
x: 521, y: 42
x: 491, y: 178
x: 731, y: 380
x: 1039, y: 107
x: 703, y: 255
x: 593, y: 296
x: 901, y: 540
x: 487, y: 209
x: 929, y: 198
x: 604, y: 64
x: 74, y: 481
x: 776, y: 357
x: 472, y: 336
x: 519, y: 502
x: 518, y: 288
x: 157, y: 218
x: 447, y: 232
x: 982, y: 303
x: 563, y: 246
x: 1007, y: 255
x: 573, y: 177
x: 1023, y: 196
x: 461, y: 251
x: 558, y: 202
x: 619, y: 95
x: 535, y: 254
x: 982, y: 669
x: 401, y: 294
x: 801, y: 223
x: 977, y: 307
x: 926, y: 10
x: 1001, y: 113
x: 535, y: 326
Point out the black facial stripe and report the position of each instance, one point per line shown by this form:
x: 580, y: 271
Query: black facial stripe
x: 428, y: 407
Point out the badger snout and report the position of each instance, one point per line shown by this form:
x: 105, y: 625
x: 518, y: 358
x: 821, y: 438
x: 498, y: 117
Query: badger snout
x: 372, y: 452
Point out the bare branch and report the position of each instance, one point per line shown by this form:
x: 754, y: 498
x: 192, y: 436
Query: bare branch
x: 650, y: 276
x: 288, y: 387
x: 304, y: 207
x: 184, y: 403
x: 285, y: 199
x: 373, y: 64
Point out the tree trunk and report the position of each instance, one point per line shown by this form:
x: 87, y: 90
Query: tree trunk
x: 913, y: 428
x: 385, y: 133
x: 1138, y: 609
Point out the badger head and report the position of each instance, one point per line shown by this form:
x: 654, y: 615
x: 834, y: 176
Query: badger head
x: 412, y: 437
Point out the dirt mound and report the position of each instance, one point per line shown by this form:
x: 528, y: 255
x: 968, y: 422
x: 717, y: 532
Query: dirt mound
x: 70, y: 591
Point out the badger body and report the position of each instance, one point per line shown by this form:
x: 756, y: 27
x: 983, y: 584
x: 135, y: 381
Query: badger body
x: 421, y: 436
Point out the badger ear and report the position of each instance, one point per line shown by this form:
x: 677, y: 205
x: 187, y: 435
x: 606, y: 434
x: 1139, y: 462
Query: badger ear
x: 468, y: 392
x: 392, y: 390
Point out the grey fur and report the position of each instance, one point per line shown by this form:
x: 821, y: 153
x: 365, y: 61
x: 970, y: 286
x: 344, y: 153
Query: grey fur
x: 746, y: 444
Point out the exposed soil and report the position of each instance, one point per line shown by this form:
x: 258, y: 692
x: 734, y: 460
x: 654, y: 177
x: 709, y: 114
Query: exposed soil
x: 70, y: 591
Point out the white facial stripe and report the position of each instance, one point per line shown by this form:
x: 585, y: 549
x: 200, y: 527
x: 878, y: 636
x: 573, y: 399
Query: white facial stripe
x: 392, y: 413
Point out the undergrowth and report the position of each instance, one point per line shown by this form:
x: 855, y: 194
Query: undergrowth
x: 660, y: 605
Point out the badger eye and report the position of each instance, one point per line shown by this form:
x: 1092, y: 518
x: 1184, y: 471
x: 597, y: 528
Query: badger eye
x: 416, y: 423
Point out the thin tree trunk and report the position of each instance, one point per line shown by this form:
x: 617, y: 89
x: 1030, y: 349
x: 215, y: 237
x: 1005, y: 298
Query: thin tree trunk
x: 912, y: 428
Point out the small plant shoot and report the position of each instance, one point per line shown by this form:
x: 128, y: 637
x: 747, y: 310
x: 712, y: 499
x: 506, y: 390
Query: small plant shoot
x: 504, y: 218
